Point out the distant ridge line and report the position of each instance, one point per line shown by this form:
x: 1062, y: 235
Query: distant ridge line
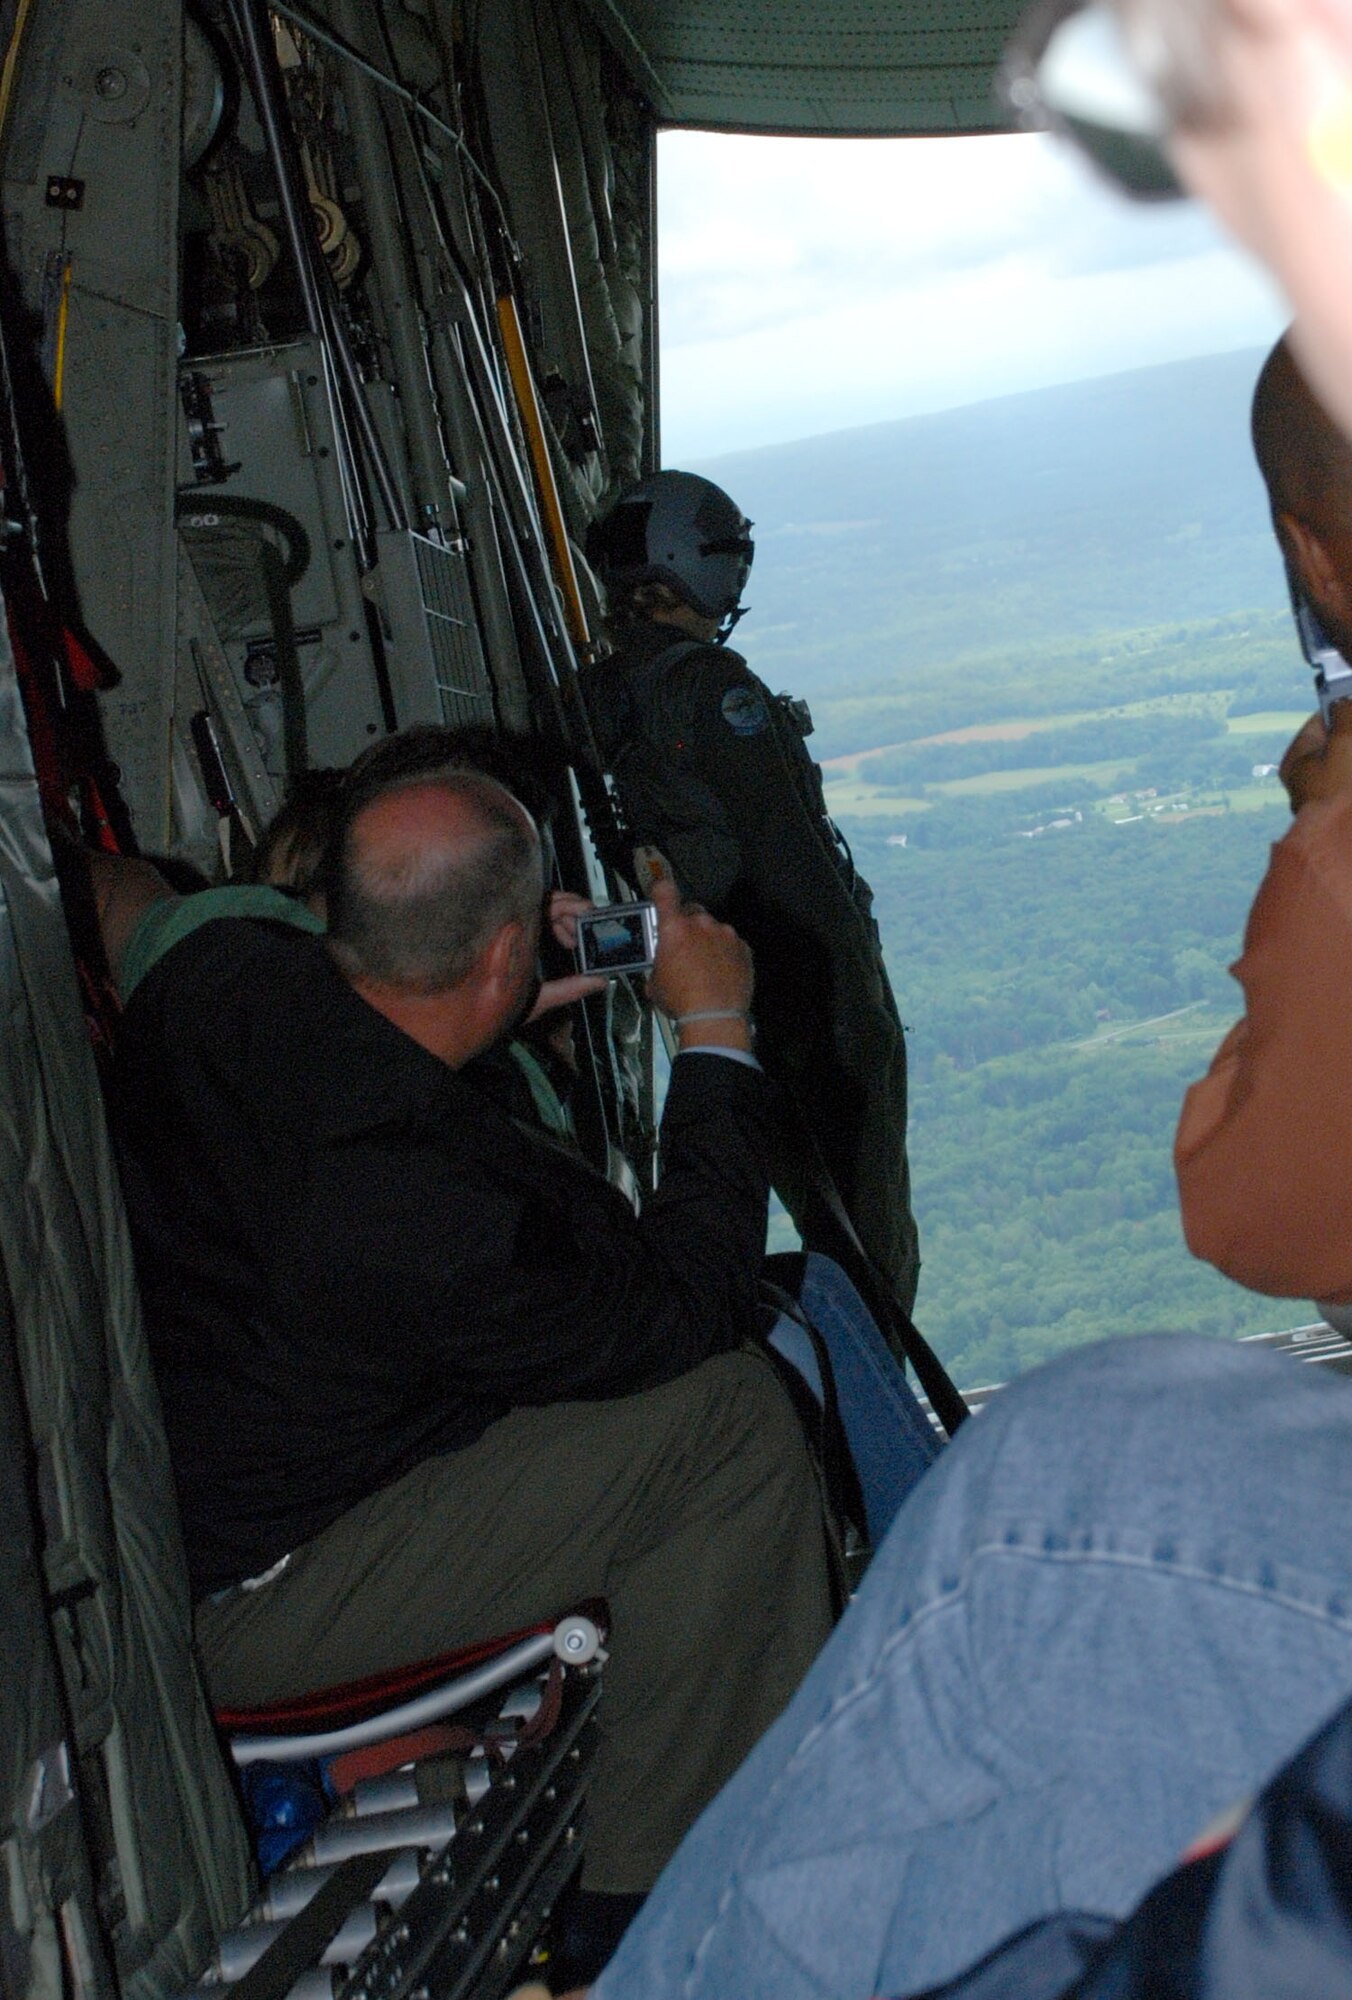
x: 699, y: 462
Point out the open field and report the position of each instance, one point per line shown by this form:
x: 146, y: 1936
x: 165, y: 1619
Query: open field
x: 846, y: 799
x: 990, y: 783
x: 1167, y: 755
x: 1209, y: 702
x: 1196, y: 1022
x: 1273, y: 721
x: 1045, y: 642
x: 852, y: 799
x: 976, y: 732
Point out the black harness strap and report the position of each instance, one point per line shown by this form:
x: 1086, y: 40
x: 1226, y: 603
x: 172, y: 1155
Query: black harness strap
x: 312, y: 1930
x: 944, y: 1397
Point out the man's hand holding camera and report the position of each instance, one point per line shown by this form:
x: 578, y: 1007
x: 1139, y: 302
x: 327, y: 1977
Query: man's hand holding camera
x: 562, y: 910
x: 702, y: 976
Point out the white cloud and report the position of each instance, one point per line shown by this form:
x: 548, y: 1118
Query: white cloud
x: 812, y: 284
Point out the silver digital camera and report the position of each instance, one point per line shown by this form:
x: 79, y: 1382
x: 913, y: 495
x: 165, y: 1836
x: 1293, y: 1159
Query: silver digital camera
x: 1332, y: 674
x: 619, y: 939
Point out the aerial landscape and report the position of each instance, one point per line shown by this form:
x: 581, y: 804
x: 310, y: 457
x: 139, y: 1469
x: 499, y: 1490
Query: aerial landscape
x: 1048, y: 653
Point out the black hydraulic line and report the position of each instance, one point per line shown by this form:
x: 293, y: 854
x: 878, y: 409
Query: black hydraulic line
x: 510, y: 478
x: 321, y: 307
x: 476, y: 406
x: 526, y: 541
x: 260, y: 513
x: 397, y: 293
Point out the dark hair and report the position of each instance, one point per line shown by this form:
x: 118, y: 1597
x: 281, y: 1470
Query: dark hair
x: 291, y: 851
x: 1304, y: 458
x: 524, y: 765
x: 420, y: 918
x: 630, y: 608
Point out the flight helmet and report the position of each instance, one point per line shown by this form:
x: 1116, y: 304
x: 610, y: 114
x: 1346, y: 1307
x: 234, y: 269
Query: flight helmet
x: 681, y: 530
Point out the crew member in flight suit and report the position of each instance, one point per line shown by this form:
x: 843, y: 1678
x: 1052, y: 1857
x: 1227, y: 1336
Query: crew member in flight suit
x: 712, y: 770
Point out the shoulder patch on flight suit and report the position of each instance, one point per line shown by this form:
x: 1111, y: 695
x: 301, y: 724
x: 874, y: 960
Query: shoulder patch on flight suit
x: 745, y: 712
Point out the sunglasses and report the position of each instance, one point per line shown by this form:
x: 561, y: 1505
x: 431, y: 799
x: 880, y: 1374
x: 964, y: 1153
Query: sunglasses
x: 1066, y: 70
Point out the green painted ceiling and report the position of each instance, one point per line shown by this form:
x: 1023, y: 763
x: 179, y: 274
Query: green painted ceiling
x: 839, y: 66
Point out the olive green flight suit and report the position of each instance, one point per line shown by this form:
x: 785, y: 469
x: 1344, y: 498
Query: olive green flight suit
x: 712, y: 770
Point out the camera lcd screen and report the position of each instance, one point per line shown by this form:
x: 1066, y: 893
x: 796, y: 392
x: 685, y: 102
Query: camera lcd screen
x: 620, y: 939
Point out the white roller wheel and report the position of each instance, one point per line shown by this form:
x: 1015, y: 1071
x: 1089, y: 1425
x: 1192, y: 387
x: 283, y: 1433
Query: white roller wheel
x: 577, y: 1641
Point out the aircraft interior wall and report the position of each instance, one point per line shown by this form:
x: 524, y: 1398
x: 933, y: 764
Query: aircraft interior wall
x: 271, y: 488
x: 123, y: 1853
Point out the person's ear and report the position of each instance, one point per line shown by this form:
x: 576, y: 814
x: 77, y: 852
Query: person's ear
x: 1317, y: 571
x: 504, y: 953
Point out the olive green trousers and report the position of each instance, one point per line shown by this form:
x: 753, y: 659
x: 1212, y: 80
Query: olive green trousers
x: 694, y: 1509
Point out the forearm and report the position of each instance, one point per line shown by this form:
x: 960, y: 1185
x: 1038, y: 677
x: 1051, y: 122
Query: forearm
x: 705, y: 1224
x: 649, y: 1297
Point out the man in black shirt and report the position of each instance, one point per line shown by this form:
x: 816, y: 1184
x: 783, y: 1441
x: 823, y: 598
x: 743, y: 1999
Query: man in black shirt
x: 427, y: 1377
x: 711, y: 769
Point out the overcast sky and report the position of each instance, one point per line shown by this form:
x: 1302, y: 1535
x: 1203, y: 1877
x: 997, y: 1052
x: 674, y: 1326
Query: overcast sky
x: 808, y: 285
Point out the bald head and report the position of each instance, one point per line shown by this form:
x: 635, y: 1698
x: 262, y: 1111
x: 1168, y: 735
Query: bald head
x: 425, y: 873
x: 1303, y: 456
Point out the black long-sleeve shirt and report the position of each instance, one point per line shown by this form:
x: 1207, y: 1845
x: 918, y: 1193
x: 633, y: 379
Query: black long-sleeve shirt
x: 352, y: 1257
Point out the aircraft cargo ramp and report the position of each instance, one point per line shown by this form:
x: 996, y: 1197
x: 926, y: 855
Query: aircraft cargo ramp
x: 1316, y: 1342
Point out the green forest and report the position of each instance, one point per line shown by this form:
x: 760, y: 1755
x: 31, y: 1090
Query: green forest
x: 1064, y: 811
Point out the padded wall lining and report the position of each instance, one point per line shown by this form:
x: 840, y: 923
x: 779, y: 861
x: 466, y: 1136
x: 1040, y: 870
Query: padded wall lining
x: 149, y: 1857
x: 854, y: 66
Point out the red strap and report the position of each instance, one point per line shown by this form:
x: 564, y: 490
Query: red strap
x: 353, y: 1701
x: 47, y: 759
x: 335, y: 1707
x: 55, y: 754
x: 373, y: 1760
x: 84, y: 670
x: 441, y: 1739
